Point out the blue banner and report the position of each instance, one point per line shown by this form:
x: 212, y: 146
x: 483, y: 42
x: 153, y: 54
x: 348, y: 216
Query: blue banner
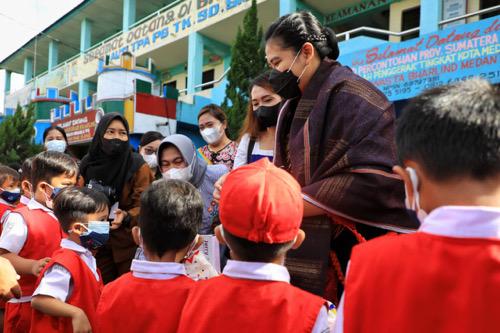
x: 403, y: 70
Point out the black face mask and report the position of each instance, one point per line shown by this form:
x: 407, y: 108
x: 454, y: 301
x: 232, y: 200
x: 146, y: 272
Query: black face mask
x: 267, y: 116
x: 284, y: 84
x: 113, y: 147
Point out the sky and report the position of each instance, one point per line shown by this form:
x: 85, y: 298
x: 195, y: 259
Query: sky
x: 21, y: 20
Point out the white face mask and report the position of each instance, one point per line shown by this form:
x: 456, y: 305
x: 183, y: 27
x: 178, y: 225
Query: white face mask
x: 151, y: 160
x: 415, y: 204
x: 56, y: 145
x: 179, y: 174
x: 212, y: 134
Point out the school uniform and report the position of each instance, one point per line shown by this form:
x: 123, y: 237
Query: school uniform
x: 252, y: 297
x: 71, y: 277
x: 148, y: 299
x: 32, y: 232
x: 23, y: 201
x: 5, y: 207
x: 444, y: 278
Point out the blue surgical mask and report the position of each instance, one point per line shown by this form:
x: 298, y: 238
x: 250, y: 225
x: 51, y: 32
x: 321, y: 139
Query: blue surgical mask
x: 97, y: 235
x: 49, y: 202
x: 56, y: 145
x: 10, y: 196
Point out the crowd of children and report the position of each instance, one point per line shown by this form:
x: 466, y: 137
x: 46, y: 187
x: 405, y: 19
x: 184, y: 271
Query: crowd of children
x: 443, y: 278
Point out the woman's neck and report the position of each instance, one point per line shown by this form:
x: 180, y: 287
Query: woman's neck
x: 309, y: 73
x: 220, y: 145
x: 267, y: 138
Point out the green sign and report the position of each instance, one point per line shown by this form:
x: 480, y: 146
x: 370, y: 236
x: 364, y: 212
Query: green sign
x: 359, y: 8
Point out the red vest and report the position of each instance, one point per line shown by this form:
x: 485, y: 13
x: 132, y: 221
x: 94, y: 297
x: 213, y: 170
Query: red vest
x: 4, y: 208
x: 130, y: 304
x: 44, y: 237
x: 423, y: 283
x: 85, y: 294
x: 224, y: 304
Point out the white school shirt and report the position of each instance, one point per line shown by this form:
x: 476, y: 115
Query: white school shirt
x: 56, y: 281
x: 451, y: 221
x: 242, y: 151
x: 156, y: 270
x: 272, y: 272
x: 15, y: 230
x: 24, y: 200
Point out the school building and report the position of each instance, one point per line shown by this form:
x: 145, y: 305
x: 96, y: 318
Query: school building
x: 159, y: 61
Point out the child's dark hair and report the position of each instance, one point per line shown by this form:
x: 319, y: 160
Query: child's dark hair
x: 26, y: 169
x: 50, y: 164
x: 73, y: 204
x: 6, y: 173
x: 171, y: 214
x: 453, y: 131
x: 255, y: 252
x: 294, y: 30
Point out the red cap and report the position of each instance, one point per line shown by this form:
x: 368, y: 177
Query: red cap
x: 261, y: 203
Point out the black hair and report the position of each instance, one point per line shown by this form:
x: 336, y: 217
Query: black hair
x: 453, y: 131
x: 6, y: 173
x: 50, y: 164
x: 171, y: 214
x: 149, y: 137
x: 57, y: 128
x: 255, y: 252
x: 293, y: 30
x: 26, y: 169
x: 73, y: 204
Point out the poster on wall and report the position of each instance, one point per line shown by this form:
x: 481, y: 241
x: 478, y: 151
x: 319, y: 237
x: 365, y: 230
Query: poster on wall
x: 454, y: 8
x: 403, y: 70
x: 81, y: 128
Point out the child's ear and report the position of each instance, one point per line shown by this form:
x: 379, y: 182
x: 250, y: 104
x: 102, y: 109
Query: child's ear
x: 136, y: 235
x: 219, y: 235
x: 407, y: 181
x: 26, y: 188
x: 77, y: 228
x: 301, y: 235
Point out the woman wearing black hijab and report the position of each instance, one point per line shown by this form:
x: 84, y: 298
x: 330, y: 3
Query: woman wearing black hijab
x: 111, y: 167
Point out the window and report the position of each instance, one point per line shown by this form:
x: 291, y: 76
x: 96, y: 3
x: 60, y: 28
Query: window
x: 374, y: 19
x: 208, y: 76
x: 171, y: 84
x: 487, y: 4
x: 410, y: 20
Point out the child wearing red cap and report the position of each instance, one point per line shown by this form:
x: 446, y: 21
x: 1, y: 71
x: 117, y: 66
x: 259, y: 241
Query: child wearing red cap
x: 260, y: 212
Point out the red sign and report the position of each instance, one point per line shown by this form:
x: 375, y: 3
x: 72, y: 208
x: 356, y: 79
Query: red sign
x: 79, y: 128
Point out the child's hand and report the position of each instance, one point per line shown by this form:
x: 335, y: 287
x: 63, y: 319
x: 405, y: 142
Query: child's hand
x: 218, y: 187
x: 80, y: 322
x: 9, y: 287
x: 120, y: 215
x: 39, y: 265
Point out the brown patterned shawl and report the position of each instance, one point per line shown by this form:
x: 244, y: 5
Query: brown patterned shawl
x: 338, y: 142
x: 341, y: 142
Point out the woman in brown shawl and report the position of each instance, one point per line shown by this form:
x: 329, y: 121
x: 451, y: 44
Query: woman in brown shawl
x: 335, y: 135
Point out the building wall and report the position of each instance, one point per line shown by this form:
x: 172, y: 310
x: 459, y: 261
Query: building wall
x: 189, y: 105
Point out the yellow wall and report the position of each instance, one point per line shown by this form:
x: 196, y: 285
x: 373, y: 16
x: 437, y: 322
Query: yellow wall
x: 396, y: 15
x: 473, y: 6
x: 181, y: 78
